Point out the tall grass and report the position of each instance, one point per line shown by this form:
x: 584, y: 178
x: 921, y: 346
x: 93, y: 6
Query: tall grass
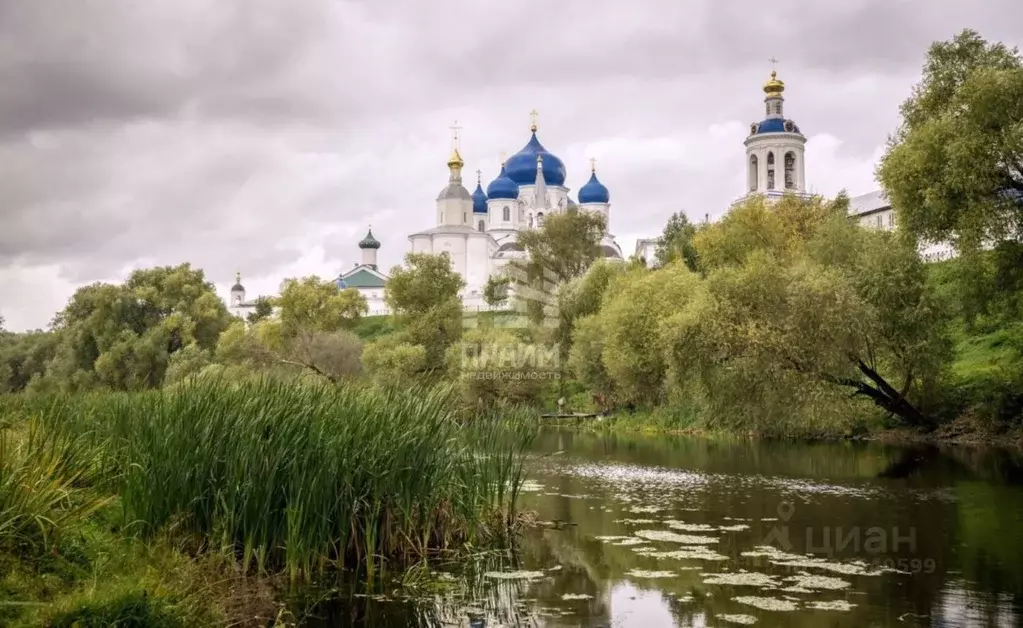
x: 39, y: 472
x: 303, y: 477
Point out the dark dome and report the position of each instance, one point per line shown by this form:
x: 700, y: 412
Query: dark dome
x: 369, y: 242
x: 521, y: 167
x: 503, y: 187
x: 594, y: 191
x: 479, y: 200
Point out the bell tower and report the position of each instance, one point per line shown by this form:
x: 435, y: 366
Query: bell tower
x: 775, y: 147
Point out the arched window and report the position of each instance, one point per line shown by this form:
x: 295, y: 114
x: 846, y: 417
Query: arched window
x: 482, y: 226
x: 754, y: 173
x: 790, y: 171
x: 770, y: 171
x: 539, y: 219
x: 506, y: 214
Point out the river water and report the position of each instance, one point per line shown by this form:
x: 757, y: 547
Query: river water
x: 655, y: 531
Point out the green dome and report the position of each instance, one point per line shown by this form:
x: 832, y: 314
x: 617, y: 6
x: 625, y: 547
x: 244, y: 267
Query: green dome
x: 369, y: 242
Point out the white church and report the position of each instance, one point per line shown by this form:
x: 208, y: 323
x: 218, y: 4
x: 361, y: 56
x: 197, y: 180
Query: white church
x: 479, y: 231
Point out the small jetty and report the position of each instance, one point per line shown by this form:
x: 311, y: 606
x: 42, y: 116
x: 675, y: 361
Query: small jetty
x: 572, y: 415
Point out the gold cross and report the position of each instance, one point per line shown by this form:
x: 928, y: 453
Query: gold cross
x: 593, y: 164
x: 479, y: 174
x: 532, y: 115
x: 773, y: 62
x: 455, y: 129
x: 504, y: 157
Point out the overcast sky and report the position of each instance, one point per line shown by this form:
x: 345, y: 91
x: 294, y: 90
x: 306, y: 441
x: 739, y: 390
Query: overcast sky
x: 265, y: 135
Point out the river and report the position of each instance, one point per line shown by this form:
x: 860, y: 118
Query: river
x: 654, y: 531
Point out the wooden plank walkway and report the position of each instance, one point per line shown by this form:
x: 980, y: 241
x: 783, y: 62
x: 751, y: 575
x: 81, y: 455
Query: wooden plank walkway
x: 571, y: 415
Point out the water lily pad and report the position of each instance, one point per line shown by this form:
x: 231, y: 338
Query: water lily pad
x: 690, y: 553
x: 689, y: 527
x: 515, y: 575
x: 834, y: 605
x: 766, y: 603
x: 642, y: 573
x: 673, y: 537
x: 745, y: 620
x: 743, y: 578
x: 808, y: 581
x: 645, y: 509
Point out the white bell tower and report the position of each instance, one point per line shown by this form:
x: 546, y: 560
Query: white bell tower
x: 775, y: 148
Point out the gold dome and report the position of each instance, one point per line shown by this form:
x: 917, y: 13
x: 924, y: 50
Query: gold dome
x: 455, y: 160
x: 774, y: 87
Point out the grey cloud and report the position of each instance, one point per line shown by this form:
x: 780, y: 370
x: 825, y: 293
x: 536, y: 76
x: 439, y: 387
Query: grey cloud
x: 241, y: 134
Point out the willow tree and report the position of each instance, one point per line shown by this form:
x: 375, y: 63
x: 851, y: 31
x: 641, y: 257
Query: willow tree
x: 122, y: 336
x: 954, y: 168
x: 795, y: 312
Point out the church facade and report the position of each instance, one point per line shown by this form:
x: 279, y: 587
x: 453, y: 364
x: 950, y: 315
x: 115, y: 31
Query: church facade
x: 479, y: 230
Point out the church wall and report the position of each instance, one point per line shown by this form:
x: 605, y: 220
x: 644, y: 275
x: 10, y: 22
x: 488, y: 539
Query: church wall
x: 453, y: 211
x: 454, y: 246
x: 478, y: 261
x: 497, y: 220
x: 422, y: 244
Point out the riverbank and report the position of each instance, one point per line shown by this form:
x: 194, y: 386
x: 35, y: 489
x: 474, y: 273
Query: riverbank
x: 964, y: 432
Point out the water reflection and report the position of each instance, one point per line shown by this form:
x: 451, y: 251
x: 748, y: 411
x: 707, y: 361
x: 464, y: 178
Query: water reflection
x: 655, y: 531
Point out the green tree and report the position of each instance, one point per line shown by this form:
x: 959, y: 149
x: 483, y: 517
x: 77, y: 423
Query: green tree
x: 423, y: 295
x: 823, y: 307
x: 495, y: 291
x: 264, y: 347
x: 582, y: 297
x: 677, y: 243
x: 565, y: 246
x: 954, y: 168
x: 311, y: 305
x: 632, y: 315
x: 506, y: 381
x: 393, y: 362
x: 24, y: 357
x: 186, y: 363
x: 263, y: 309
x: 122, y: 336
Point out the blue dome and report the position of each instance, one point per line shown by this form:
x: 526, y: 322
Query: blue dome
x: 521, y: 167
x: 774, y: 125
x: 479, y: 200
x: 594, y: 191
x: 503, y: 187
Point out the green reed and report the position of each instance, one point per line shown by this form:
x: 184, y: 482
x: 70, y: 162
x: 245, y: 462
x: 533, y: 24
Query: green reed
x: 40, y: 470
x: 303, y: 477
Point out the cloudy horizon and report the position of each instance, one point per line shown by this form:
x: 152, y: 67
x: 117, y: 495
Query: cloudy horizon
x: 240, y: 135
